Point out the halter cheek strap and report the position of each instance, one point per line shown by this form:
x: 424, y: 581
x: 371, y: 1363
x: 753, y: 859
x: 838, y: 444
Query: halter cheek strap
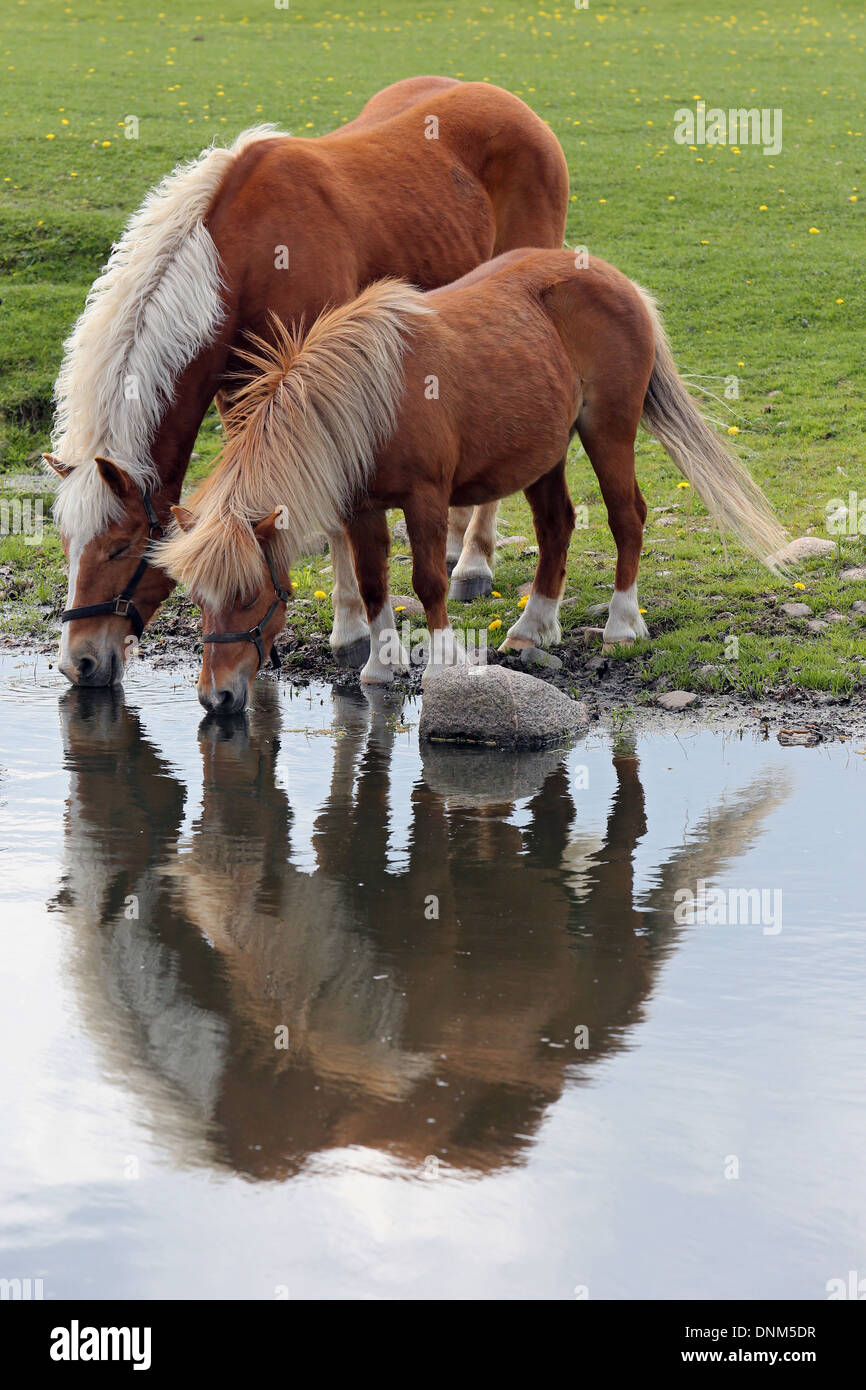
x: 256, y: 634
x: 122, y: 604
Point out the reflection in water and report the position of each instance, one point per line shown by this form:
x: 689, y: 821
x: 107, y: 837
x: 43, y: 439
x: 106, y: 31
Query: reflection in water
x: 430, y: 1007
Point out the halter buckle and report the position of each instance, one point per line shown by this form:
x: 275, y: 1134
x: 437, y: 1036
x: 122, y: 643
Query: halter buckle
x: 122, y: 607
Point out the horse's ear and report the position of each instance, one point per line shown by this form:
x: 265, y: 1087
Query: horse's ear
x: 62, y: 469
x: 265, y: 529
x: 114, y: 477
x: 184, y: 518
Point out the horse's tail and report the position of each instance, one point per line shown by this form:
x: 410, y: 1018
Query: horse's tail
x: 301, y: 438
x: 720, y: 480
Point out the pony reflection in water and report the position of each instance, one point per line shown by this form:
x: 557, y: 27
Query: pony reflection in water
x: 418, y: 1000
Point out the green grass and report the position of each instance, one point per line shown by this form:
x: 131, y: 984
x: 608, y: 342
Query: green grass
x: 746, y: 292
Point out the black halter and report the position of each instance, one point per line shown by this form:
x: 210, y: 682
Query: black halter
x: 122, y: 604
x: 255, y: 634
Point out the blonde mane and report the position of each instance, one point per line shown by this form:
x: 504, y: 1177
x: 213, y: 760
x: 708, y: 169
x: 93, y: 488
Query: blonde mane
x: 156, y: 304
x: 302, y: 433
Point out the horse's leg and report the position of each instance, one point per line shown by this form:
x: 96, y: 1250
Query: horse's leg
x: 458, y: 520
x: 612, y: 456
x: 350, y: 635
x: 371, y: 543
x: 472, y: 576
x: 553, y: 518
x: 427, y: 523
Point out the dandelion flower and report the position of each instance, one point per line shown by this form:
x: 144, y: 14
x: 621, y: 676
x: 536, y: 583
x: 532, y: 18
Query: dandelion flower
x: 800, y: 586
x: 320, y: 593
x: 815, y: 231
x: 497, y: 622
x: 684, y: 483
x: 733, y: 429
x: 522, y: 602
x: 494, y: 593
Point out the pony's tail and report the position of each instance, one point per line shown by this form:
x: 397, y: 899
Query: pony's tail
x: 720, y: 480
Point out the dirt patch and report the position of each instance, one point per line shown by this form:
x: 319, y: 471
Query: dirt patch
x: 608, y: 686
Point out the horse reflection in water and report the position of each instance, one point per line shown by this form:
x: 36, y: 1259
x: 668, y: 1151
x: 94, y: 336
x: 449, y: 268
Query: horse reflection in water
x: 422, y: 1037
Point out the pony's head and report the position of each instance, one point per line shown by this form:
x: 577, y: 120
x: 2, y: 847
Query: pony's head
x: 238, y: 575
x: 107, y: 521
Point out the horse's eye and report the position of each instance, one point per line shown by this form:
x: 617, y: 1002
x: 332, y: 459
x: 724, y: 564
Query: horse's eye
x: 116, y: 554
x: 246, y: 606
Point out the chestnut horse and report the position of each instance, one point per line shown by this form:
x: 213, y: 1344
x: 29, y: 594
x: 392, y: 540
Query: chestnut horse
x: 433, y: 177
x: 421, y: 401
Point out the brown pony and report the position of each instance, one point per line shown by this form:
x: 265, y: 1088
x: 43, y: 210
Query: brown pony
x: 460, y: 397
x: 432, y: 178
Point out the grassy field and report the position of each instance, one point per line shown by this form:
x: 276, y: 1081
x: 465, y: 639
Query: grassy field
x: 756, y: 259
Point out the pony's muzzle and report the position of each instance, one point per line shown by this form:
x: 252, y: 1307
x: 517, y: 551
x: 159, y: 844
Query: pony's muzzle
x: 226, y: 699
x: 89, y: 668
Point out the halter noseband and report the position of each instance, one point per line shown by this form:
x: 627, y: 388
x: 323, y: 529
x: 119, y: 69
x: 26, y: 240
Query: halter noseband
x: 122, y: 603
x: 255, y: 634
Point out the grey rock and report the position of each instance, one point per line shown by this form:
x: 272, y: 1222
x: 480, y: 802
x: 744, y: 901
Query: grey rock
x: 400, y: 532
x: 858, y: 606
x: 597, y: 610
x: 497, y: 707
x: 795, y: 610
x: 412, y: 607
x: 512, y: 542
x: 536, y: 656
x: 804, y: 548
x: 857, y: 575
x: 677, y: 699
x: 817, y: 625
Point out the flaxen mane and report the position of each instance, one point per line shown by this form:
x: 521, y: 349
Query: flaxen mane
x: 157, y: 303
x: 301, y: 439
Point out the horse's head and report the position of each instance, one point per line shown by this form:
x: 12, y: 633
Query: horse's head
x: 107, y: 522
x: 235, y: 579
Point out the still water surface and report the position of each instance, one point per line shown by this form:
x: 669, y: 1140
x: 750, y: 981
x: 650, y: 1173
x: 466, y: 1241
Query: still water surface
x: 429, y: 932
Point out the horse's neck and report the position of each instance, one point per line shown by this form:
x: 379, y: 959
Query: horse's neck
x: 176, y: 434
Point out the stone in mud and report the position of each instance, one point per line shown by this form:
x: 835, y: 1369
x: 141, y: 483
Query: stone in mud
x: 536, y: 656
x: 795, y: 610
x: 804, y: 548
x: 857, y: 575
x: 498, y: 707
x: 677, y: 699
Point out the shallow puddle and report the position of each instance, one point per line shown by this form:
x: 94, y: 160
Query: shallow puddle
x: 293, y: 1008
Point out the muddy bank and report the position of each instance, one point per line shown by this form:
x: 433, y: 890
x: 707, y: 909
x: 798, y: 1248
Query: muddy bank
x: 608, y: 686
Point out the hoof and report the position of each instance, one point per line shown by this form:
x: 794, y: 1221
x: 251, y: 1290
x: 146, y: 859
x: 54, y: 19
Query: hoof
x: 475, y: 586
x: 516, y: 644
x: 356, y: 655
